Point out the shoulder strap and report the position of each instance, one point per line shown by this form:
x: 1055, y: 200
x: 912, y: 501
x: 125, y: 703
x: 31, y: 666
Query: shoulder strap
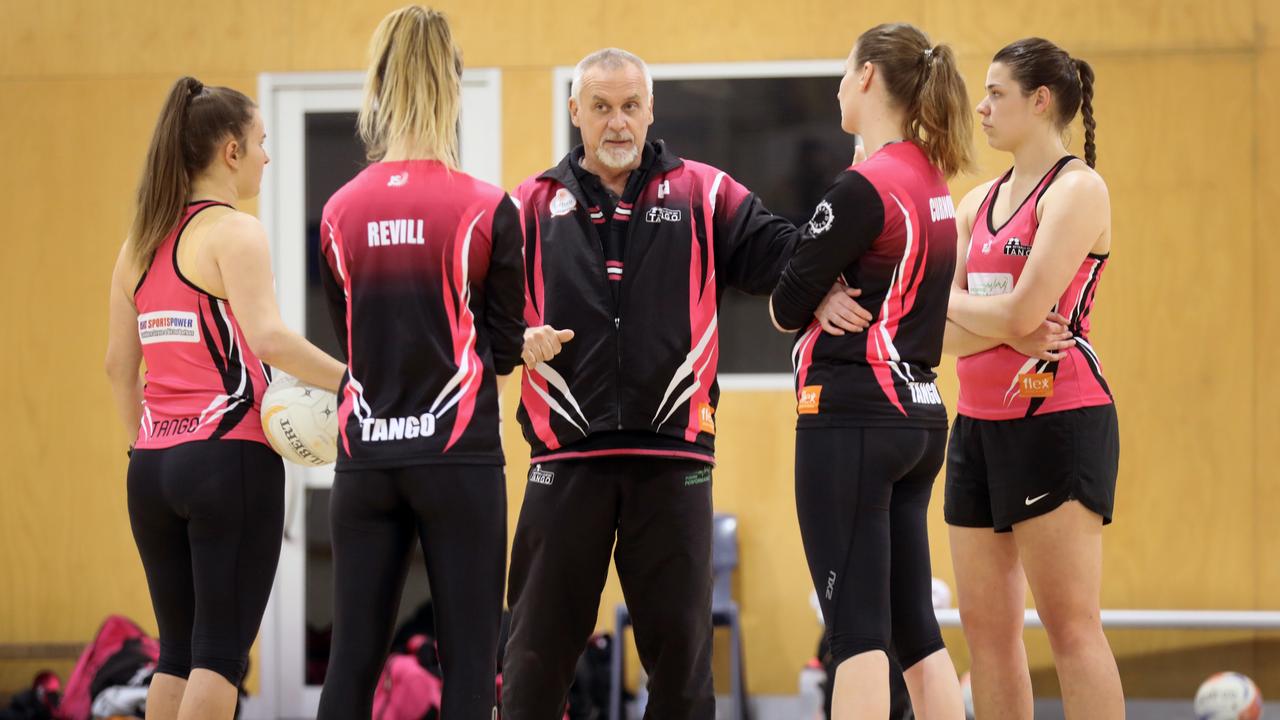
x: 189, y: 211
x: 1051, y: 176
x: 193, y: 209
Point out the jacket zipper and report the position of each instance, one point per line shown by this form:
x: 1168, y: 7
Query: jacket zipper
x: 617, y: 313
x: 617, y: 323
x: 617, y: 378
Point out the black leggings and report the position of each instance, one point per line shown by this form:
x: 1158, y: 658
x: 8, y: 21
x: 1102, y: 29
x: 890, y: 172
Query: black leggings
x: 207, y: 517
x: 459, y: 515
x: 862, y: 495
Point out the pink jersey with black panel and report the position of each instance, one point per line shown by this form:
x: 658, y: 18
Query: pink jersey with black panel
x: 424, y: 278
x: 202, y: 380
x: 886, y: 226
x: 1001, y: 383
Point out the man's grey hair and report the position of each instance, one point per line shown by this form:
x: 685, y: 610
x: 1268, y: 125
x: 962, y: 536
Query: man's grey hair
x: 609, y: 59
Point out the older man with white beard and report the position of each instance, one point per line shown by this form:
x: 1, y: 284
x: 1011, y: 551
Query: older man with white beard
x: 628, y: 250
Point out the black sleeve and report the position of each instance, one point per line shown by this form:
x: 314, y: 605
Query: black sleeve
x: 334, y: 294
x: 753, y: 242
x: 844, y: 226
x: 504, y: 289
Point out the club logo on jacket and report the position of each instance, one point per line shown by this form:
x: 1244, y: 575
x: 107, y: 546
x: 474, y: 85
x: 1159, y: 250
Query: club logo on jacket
x: 657, y: 215
x: 563, y: 203
x: 399, y: 180
x: 823, y: 218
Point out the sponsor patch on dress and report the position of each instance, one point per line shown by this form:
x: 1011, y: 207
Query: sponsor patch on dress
x: 990, y: 283
x: 168, y: 326
x: 809, y: 398
x: 1035, y: 385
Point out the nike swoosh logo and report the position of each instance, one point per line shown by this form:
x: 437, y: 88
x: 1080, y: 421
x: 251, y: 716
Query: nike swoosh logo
x: 1032, y: 501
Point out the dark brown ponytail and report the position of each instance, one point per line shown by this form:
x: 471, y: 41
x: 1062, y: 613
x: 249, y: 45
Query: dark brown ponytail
x: 924, y: 81
x: 193, y: 123
x: 1036, y: 63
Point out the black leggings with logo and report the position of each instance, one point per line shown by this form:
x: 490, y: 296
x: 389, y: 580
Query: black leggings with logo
x: 653, y: 516
x: 862, y: 495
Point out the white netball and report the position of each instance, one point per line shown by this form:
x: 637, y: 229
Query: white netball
x: 966, y: 693
x: 301, y: 421
x: 941, y: 594
x: 1228, y: 696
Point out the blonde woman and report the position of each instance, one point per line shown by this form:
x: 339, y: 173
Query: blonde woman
x: 426, y: 281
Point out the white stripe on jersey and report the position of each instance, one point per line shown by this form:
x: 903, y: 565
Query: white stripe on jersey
x: 685, y: 370
x: 464, y: 364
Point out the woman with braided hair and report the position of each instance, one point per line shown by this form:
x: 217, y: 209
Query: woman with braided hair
x: 1034, y: 451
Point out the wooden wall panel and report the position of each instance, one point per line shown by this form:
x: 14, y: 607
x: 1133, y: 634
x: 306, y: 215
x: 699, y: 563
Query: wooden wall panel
x: 1266, y: 342
x: 1174, y: 213
x: 75, y: 38
x: 1090, y: 26
x: 1268, y: 34
x: 526, y: 103
x: 547, y: 33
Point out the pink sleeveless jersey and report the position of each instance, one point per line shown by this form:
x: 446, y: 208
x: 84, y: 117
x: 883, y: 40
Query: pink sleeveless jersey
x: 1001, y: 383
x: 202, y: 381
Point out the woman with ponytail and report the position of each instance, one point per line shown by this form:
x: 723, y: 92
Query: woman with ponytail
x: 424, y: 270
x: 192, y: 296
x: 872, y: 429
x: 1034, y: 452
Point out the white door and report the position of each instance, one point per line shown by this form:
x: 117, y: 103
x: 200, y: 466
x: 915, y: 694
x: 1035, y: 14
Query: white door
x: 310, y: 122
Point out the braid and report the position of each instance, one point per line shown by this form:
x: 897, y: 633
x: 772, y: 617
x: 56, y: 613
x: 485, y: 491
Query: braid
x: 1086, y: 112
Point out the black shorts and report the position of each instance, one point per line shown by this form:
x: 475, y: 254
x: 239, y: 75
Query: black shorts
x: 1001, y: 472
